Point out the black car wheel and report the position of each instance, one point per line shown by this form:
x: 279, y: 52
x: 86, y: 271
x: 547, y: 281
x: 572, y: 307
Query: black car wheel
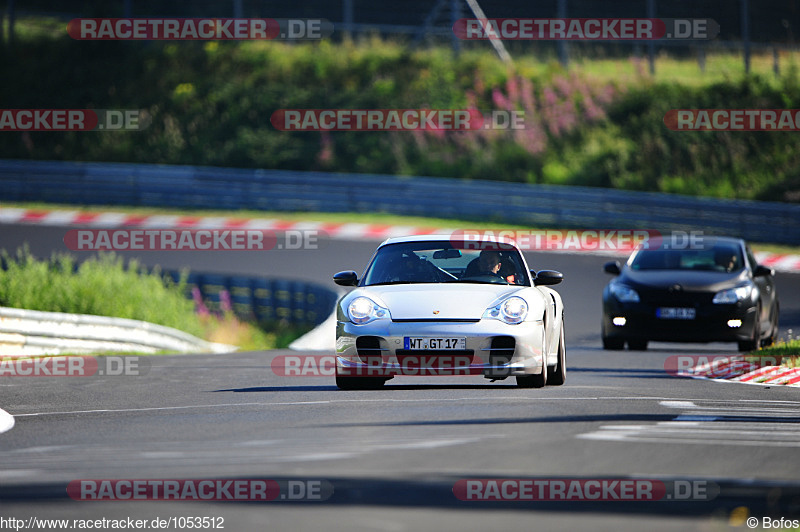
x: 755, y: 342
x: 558, y: 374
x: 773, y: 335
x: 614, y: 344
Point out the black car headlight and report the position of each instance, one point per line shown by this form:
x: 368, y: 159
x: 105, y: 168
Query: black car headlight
x: 624, y: 293
x: 733, y: 295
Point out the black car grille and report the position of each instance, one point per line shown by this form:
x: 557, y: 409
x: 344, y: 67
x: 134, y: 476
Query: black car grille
x: 369, y: 349
x: 674, y: 298
x: 502, y: 350
x: 435, y: 357
x: 436, y: 320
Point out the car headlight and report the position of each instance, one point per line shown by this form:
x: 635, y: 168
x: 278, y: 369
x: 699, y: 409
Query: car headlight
x: 364, y: 310
x: 512, y: 311
x: 624, y: 293
x: 733, y: 295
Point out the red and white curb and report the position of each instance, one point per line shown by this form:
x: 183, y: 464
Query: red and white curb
x: 339, y: 231
x: 344, y: 231
x: 740, y: 370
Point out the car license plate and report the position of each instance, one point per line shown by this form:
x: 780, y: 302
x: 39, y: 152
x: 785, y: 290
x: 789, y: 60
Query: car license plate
x: 676, y: 313
x: 428, y: 343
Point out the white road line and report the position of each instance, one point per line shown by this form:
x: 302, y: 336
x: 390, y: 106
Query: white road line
x: 103, y: 411
x: 6, y: 421
x: 19, y: 473
x: 623, y: 436
x: 678, y: 404
x: 712, y: 422
x: 664, y: 400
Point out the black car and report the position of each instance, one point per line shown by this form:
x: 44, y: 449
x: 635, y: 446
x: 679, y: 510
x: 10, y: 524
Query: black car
x: 711, y: 292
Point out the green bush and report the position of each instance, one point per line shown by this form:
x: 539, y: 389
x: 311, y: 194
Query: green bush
x: 211, y: 105
x: 102, y: 286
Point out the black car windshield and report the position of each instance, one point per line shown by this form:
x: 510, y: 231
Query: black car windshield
x: 446, y: 262
x: 722, y: 257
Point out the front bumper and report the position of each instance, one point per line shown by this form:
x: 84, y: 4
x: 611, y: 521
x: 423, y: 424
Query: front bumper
x: 709, y: 325
x: 377, y: 349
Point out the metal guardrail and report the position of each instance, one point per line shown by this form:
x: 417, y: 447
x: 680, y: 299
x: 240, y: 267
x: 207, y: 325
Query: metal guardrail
x: 261, y: 299
x: 31, y: 332
x: 481, y: 201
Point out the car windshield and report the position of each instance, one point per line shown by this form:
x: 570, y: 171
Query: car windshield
x: 722, y: 257
x: 446, y: 262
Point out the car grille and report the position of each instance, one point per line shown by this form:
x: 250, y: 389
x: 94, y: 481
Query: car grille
x: 677, y: 298
x: 436, y: 320
x: 502, y: 350
x: 369, y: 349
x: 434, y: 357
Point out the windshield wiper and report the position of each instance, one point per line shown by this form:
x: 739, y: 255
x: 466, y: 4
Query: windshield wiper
x: 400, y: 282
x: 473, y: 281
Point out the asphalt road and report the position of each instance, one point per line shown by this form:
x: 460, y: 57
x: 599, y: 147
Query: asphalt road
x: 393, y: 456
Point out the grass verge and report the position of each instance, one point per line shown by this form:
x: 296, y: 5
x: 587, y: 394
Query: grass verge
x: 784, y: 353
x: 106, y: 286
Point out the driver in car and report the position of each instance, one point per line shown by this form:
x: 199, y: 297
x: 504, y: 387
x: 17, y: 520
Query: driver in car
x: 489, y: 262
x: 726, y: 260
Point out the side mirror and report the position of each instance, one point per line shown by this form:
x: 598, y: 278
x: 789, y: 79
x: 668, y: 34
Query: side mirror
x: 547, y: 277
x: 346, y: 278
x: 763, y: 271
x: 612, y: 267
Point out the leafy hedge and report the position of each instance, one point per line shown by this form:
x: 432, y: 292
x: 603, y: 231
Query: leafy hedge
x: 211, y: 103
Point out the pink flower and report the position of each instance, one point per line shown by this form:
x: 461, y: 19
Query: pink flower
x: 500, y: 101
x: 225, y: 301
x: 528, y: 98
x: 199, y: 306
x: 512, y: 87
x: 325, y: 155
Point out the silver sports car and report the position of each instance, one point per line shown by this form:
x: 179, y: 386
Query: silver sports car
x: 435, y: 305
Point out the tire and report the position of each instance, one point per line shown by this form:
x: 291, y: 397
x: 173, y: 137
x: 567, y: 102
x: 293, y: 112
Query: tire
x: 358, y: 383
x: 535, y: 381
x: 773, y: 335
x: 613, y: 344
x: 558, y: 374
x: 637, y: 345
x: 755, y: 342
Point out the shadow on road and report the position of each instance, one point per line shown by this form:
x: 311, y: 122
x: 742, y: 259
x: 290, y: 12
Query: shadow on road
x: 437, y: 492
